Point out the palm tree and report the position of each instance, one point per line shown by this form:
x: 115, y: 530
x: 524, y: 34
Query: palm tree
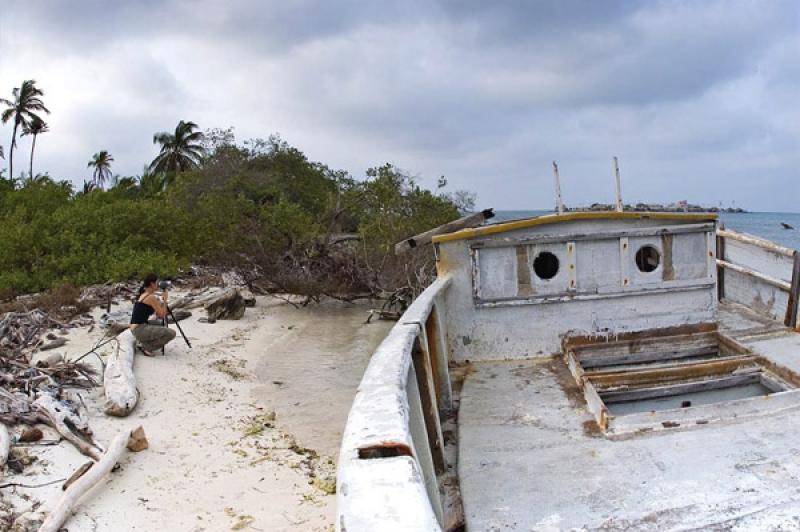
x: 88, y: 188
x: 36, y: 127
x: 180, y: 151
x: 102, y: 167
x: 27, y: 101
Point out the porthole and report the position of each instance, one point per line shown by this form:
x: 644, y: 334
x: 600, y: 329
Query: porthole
x: 545, y: 265
x: 647, y: 259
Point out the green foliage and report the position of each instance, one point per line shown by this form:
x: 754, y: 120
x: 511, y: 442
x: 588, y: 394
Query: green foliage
x: 389, y: 206
x: 49, y: 237
x: 262, y: 202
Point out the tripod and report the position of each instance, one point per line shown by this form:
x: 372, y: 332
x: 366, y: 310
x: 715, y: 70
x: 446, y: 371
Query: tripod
x: 178, y: 325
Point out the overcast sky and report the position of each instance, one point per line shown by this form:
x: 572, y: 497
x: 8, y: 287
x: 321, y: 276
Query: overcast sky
x: 699, y: 100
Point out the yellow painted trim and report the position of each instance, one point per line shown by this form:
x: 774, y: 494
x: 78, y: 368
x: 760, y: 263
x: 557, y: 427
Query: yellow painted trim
x: 569, y: 217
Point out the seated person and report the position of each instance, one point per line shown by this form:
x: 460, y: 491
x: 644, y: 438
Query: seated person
x: 151, y: 338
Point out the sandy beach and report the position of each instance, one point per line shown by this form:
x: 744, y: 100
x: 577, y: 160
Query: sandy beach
x: 244, y: 428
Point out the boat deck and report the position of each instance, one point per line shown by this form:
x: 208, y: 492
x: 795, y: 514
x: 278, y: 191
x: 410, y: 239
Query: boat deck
x: 530, y: 457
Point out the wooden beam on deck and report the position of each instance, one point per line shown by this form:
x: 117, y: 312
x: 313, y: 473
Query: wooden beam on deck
x: 473, y: 220
x: 794, y: 294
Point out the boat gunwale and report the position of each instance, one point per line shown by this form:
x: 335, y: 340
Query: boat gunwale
x: 549, y: 219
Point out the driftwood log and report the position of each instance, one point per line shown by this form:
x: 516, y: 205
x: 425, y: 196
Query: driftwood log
x: 473, y: 220
x: 69, y: 499
x: 198, y: 300
x: 228, y: 306
x: 5, y: 447
x: 56, y: 414
x: 119, y: 380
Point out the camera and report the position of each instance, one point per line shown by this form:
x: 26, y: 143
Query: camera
x: 164, y: 284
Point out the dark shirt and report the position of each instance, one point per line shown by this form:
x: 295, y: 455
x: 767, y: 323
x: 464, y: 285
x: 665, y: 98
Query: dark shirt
x: 141, y: 311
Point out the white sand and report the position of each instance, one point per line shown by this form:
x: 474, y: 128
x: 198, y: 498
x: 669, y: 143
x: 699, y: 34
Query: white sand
x: 212, y: 463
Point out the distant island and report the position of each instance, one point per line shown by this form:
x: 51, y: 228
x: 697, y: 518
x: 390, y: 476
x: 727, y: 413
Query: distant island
x: 680, y: 206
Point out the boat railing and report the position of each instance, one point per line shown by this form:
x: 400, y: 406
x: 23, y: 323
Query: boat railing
x: 392, y: 448
x: 760, y: 274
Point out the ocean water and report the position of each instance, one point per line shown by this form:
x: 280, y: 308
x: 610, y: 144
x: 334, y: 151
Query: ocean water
x: 764, y: 224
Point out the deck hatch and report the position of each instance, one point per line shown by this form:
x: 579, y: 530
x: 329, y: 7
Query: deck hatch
x: 657, y: 379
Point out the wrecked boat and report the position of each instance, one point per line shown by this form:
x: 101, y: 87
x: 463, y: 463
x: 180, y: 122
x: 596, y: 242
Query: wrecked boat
x: 586, y: 370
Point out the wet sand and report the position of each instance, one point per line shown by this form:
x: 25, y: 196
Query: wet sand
x: 218, y: 458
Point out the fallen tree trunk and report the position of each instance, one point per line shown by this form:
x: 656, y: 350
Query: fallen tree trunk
x: 196, y: 301
x: 119, y: 380
x: 229, y: 306
x: 69, y: 500
x: 473, y: 220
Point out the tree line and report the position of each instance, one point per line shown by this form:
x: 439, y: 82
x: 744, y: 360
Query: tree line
x: 260, y: 205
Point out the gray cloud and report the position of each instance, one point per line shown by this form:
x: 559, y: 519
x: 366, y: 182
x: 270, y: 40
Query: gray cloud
x: 696, y: 98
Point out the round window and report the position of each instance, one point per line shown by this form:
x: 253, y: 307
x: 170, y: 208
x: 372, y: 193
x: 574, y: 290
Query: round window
x: 545, y: 265
x: 647, y: 259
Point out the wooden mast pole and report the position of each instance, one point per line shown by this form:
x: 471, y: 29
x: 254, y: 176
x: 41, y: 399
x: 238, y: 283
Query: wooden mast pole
x: 559, y: 204
x: 619, y: 188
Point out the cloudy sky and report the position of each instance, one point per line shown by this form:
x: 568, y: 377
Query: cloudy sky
x: 699, y: 100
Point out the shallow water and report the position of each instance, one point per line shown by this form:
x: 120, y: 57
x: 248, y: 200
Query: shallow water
x: 312, y: 361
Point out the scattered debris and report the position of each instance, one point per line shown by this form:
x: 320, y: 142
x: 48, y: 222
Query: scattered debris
x: 230, y: 368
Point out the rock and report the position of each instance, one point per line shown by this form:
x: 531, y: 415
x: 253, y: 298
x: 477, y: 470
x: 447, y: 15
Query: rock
x: 30, y: 435
x: 138, y: 441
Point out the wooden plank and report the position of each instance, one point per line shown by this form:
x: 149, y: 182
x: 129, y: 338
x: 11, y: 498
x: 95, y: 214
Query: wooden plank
x: 777, y: 283
x: 472, y: 220
x: 572, y: 267
x: 524, y: 288
x: 674, y: 373
x: 732, y: 346
x: 595, y: 405
x: 755, y: 241
x: 774, y: 383
x: 574, y: 368
x: 430, y: 409
x: 643, y: 343
x: 577, y: 341
x: 593, y: 361
x: 437, y: 347
x: 794, y: 294
x: 667, y: 364
x: 476, y: 274
x: 669, y: 390
x: 599, y: 235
